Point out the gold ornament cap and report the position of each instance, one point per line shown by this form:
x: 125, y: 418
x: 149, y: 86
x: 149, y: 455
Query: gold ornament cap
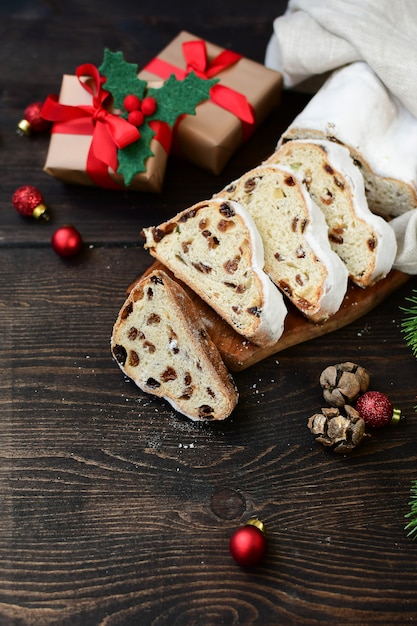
x: 40, y: 212
x: 254, y: 521
x: 23, y: 128
x: 396, y: 417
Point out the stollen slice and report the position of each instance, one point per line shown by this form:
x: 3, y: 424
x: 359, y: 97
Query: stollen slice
x: 159, y: 341
x: 364, y: 241
x: 215, y: 248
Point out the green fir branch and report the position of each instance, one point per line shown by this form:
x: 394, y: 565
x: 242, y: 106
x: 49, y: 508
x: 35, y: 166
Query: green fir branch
x: 409, y: 323
x: 411, y: 527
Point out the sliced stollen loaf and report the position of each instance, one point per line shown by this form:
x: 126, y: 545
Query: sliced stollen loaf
x: 354, y: 108
x: 364, y: 241
x: 159, y: 341
x: 298, y: 256
x: 215, y: 248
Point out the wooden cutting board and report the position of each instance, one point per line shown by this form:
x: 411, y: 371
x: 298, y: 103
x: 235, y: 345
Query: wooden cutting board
x: 238, y: 353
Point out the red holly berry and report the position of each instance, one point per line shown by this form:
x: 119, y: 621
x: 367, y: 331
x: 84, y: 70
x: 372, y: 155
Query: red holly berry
x: 131, y: 102
x: 136, y: 118
x: 375, y: 409
x: 148, y: 105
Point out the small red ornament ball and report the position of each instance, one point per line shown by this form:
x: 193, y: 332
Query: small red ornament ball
x: 32, y: 120
x: 66, y: 241
x: 376, y: 409
x: 248, y: 544
x: 28, y: 201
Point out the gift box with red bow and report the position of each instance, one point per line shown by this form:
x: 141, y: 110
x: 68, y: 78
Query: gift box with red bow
x: 104, y: 135
x: 246, y: 92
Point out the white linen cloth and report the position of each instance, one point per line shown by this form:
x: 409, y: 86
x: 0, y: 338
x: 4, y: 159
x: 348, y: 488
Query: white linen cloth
x: 314, y: 37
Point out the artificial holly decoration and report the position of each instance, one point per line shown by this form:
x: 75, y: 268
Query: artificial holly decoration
x: 66, y: 241
x: 32, y: 121
x: 143, y: 106
x: 248, y: 544
x: 28, y: 201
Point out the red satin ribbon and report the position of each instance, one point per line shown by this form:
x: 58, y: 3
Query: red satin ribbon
x: 109, y: 132
x: 163, y: 134
x: 195, y: 54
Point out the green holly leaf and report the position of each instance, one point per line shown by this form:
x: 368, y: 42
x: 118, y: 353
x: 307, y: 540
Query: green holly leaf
x: 132, y: 158
x: 177, y: 97
x: 121, y: 78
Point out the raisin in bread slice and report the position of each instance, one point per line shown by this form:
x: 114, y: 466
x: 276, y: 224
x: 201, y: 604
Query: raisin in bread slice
x: 364, y: 241
x: 298, y: 256
x: 354, y: 108
x: 159, y: 342
x: 215, y: 248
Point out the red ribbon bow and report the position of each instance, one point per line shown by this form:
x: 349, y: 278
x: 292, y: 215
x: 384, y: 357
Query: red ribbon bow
x: 195, y: 54
x: 109, y: 132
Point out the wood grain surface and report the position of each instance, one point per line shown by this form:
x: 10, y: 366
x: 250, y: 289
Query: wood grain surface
x: 115, y: 510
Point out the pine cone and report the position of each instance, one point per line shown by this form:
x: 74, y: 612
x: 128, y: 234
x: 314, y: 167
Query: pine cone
x: 343, y: 383
x: 341, y: 433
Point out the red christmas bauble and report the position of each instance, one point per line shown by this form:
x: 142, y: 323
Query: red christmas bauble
x: 28, y: 201
x: 376, y: 409
x: 33, y: 120
x: 248, y: 544
x: 66, y: 241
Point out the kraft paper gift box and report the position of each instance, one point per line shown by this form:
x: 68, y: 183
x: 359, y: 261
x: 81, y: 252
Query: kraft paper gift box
x: 213, y: 135
x: 70, y: 148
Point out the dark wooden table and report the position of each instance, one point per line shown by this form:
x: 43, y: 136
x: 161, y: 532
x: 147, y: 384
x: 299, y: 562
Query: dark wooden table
x: 113, y: 509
